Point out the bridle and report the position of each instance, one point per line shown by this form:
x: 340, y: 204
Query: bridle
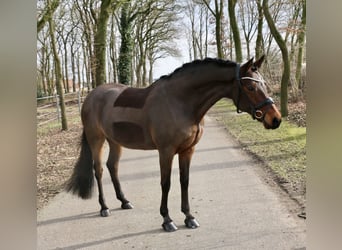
x: 256, y: 112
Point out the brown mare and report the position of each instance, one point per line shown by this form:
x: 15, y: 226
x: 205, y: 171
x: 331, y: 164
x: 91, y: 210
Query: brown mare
x: 167, y: 116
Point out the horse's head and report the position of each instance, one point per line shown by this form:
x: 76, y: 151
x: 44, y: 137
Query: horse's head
x: 252, y: 95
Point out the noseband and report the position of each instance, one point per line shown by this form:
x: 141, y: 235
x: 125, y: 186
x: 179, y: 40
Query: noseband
x: 256, y: 112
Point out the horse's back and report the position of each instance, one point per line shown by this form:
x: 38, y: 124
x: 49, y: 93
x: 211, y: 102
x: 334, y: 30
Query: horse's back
x: 101, y: 91
x: 101, y: 94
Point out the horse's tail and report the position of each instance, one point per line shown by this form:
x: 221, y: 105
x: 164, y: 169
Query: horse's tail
x: 82, y: 179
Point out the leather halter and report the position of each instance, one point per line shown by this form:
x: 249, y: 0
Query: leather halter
x: 256, y: 112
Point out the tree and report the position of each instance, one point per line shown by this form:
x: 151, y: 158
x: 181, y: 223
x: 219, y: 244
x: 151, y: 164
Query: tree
x: 191, y: 9
x: 113, y: 49
x: 268, y: 39
x: 75, y: 45
x: 125, y: 56
x: 235, y: 30
x: 163, y: 31
x: 100, y: 42
x: 44, y: 56
x: 285, y: 55
x: 87, y: 16
x: 259, y: 46
x: 248, y: 19
x: 153, y: 37
x: 51, y: 8
x: 199, y: 29
x: 128, y: 15
x: 58, y: 71
x: 301, y: 39
x: 218, y: 15
x: 64, y: 29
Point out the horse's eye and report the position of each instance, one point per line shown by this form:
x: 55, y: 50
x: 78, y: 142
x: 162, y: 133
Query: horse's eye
x: 250, y: 87
x: 254, y: 68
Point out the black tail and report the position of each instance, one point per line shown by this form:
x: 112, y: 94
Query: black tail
x: 82, y: 179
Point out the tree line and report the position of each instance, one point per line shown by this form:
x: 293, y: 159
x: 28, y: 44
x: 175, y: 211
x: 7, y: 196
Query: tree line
x: 85, y: 43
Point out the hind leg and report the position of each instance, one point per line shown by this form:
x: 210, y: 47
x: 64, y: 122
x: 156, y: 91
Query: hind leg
x: 113, y: 166
x: 96, y: 149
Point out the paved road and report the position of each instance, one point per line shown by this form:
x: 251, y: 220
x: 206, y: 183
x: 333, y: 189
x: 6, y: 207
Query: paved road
x: 236, y: 209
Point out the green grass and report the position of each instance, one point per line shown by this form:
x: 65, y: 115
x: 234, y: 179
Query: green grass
x: 283, y: 150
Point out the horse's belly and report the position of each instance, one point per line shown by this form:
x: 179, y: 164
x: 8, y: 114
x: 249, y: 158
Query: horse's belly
x: 131, y: 135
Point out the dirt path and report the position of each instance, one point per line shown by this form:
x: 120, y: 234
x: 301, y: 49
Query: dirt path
x: 229, y: 196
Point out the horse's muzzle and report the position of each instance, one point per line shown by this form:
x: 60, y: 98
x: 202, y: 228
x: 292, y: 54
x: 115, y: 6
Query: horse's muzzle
x: 275, y: 123
x: 272, y: 118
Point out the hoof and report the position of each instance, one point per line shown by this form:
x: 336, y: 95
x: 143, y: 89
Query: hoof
x: 191, y: 223
x: 105, y: 212
x: 127, y: 205
x: 169, y: 226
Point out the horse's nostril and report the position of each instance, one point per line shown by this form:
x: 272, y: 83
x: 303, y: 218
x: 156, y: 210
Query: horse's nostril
x: 276, y: 122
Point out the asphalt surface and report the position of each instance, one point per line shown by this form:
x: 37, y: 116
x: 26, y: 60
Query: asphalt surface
x: 235, y: 206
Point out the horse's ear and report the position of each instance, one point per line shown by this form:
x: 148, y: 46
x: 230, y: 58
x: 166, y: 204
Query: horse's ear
x: 247, y: 65
x: 259, y: 61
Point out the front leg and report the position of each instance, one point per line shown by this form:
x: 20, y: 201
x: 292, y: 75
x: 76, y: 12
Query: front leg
x: 184, y: 165
x: 165, y: 158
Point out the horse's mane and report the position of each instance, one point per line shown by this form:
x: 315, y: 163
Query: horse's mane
x: 186, y: 66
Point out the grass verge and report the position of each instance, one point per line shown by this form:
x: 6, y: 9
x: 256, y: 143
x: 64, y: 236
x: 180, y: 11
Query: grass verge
x: 282, y: 150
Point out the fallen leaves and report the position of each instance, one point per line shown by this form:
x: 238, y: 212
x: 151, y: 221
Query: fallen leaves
x: 57, y: 152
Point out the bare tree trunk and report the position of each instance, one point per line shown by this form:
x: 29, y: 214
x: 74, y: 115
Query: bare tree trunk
x: 100, y: 43
x: 144, y: 79
x: 48, y: 78
x: 235, y: 29
x: 112, y: 49
x: 78, y: 71
x: 150, y: 75
x: 218, y: 19
x: 259, y: 47
x: 51, y: 8
x: 191, y: 9
x: 88, y: 29
x: 73, y: 68
x: 44, y: 59
x: 301, y: 39
x: 58, y: 73
x: 87, y: 65
x: 206, y: 33
x: 282, y: 45
x: 218, y: 14
x: 140, y: 52
x: 145, y: 83
x: 67, y: 90
x: 230, y: 44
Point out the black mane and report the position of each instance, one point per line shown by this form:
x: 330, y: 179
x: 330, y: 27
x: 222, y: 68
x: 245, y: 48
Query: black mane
x: 186, y: 66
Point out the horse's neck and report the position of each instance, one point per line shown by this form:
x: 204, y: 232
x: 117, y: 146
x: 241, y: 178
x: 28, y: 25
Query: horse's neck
x: 203, y: 89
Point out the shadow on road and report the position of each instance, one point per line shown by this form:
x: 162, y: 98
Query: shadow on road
x: 120, y: 237
x: 196, y: 151
x: 74, y: 217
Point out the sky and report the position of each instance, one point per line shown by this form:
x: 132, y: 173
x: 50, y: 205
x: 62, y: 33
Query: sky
x: 167, y: 65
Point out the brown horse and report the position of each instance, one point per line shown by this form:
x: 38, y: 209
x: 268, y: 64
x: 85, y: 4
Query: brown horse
x: 167, y: 116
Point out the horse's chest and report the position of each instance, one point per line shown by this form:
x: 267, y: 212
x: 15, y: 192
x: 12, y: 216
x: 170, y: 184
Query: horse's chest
x: 191, y: 139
